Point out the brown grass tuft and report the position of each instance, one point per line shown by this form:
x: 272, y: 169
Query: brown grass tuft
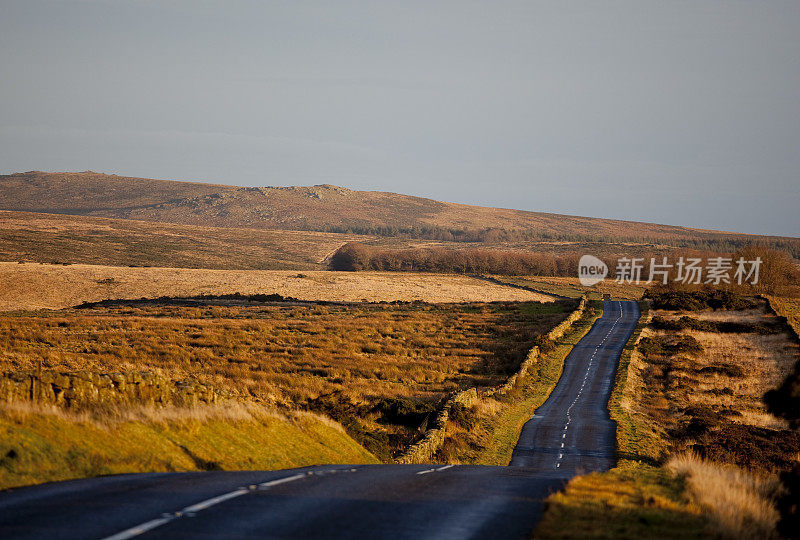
x: 740, y: 503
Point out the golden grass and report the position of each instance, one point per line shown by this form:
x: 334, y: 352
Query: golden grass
x: 44, y: 444
x: 763, y: 360
x: 631, y: 501
x: 638, y: 437
x: 571, y: 287
x: 789, y: 308
x: 739, y: 503
x: 379, y: 369
x: 37, y: 286
x: 60, y: 239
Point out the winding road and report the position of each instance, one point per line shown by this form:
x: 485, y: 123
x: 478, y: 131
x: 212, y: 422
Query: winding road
x: 571, y: 433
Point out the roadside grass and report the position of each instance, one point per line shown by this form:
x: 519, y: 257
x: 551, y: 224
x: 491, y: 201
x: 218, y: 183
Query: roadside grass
x: 689, y: 390
x: 637, y: 439
x: 43, y: 444
x: 631, y: 501
x: 637, y: 498
x: 789, y: 308
x: 740, y: 503
x: 492, y: 430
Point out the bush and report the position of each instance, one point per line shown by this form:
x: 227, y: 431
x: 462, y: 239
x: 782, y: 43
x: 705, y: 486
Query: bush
x: 725, y: 327
x: 680, y: 300
x: 355, y: 256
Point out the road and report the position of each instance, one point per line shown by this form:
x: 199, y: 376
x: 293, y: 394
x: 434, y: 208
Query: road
x: 569, y: 434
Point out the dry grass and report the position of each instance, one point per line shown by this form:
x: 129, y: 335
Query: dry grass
x: 37, y: 286
x: 109, y: 417
x: 62, y: 239
x: 703, y: 391
x: 789, y: 308
x: 740, y: 503
x: 40, y: 444
x: 571, y: 287
x: 632, y: 501
x: 734, y: 370
x: 379, y: 369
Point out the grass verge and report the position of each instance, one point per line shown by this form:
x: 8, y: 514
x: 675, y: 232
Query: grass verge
x: 636, y: 499
x: 43, y: 445
x: 536, y: 387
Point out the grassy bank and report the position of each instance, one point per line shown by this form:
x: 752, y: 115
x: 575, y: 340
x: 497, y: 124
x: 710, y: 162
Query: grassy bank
x: 636, y: 499
x: 698, y: 452
x: 42, y: 445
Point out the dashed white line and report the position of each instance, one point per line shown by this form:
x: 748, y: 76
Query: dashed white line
x: 426, y: 471
x: 140, y: 529
x: 281, y: 481
x: 208, y: 503
x: 197, y: 507
x: 585, y: 379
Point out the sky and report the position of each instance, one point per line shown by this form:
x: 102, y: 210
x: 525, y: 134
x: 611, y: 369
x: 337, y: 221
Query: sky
x: 675, y: 112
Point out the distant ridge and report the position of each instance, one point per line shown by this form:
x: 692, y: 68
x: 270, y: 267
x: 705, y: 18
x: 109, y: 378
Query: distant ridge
x: 332, y: 209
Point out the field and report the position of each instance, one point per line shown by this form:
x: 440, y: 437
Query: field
x: 380, y: 370
x: 571, y: 287
x: 699, y: 452
x: 37, y: 286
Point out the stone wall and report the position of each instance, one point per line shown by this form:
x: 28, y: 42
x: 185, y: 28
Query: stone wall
x: 533, y: 355
x: 424, y: 450
x: 81, y: 390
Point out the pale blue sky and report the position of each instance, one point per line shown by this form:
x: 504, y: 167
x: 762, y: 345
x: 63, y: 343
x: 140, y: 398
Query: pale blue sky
x: 673, y: 112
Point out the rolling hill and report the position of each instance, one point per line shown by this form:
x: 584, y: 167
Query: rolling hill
x: 327, y: 208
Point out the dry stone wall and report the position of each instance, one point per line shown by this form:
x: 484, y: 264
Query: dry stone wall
x: 424, y: 450
x: 86, y: 389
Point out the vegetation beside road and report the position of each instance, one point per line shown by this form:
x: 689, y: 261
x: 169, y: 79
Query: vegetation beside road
x: 382, y: 370
x: 499, y: 432
x: 39, y: 444
x: 698, y: 452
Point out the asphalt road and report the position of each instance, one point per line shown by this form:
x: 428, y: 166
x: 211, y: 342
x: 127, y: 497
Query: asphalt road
x: 571, y: 433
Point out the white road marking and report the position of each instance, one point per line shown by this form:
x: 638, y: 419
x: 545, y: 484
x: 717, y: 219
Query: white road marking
x: 197, y: 507
x: 589, y: 367
x: 284, y: 480
x: 140, y: 529
x: 208, y: 503
x: 426, y: 471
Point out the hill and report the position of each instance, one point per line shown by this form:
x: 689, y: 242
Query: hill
x: 62, y: 239
x: 328, y: 208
